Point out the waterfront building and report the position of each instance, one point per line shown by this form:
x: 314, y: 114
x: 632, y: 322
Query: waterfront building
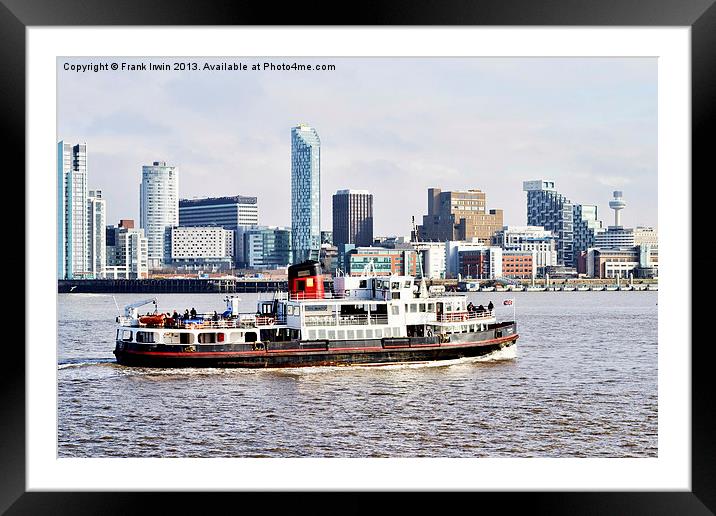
x: 645, y: 235
x: 236, y: 213
x: 615, y: 238
x: 385, y: 262
x: 267, y: 247
x: 127, y: 256
x: 72, y: 233
x: 530, y: 238
x: 159, y: 209
x: 637, y: 261
x: 343, y: 256
x: 518, y: 264
x: 353, y: 217
x: 574, y: 225
x: 96, y: 234
x: 434, y: 258
x: 202, y: 248
x: 327, y: 237
x: 478, y: 262
x: 459, y: 215
x: 111, y: 239
x: 452, y: 248
x: 305, y: 193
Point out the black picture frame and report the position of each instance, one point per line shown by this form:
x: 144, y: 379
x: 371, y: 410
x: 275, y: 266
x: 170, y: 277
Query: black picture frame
x: 17, y: 15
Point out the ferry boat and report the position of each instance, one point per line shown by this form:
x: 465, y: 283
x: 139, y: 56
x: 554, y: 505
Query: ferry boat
x: 367, y: 320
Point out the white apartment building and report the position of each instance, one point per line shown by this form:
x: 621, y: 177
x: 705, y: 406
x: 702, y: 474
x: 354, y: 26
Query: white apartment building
x: 645, y: 235
x: 434, y: 257
x: 159, y: 209
x: 192, y: 246
x: 543, y: 243
x: 96, y: 235
x: 130, y: 255
x: 453, y: 248
x: 72, y: 253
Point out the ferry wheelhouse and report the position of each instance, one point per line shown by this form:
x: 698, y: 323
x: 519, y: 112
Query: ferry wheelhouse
x: 365, y: 320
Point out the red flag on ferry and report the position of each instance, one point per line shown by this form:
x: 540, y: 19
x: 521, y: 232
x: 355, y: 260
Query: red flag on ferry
x: 508, y: 301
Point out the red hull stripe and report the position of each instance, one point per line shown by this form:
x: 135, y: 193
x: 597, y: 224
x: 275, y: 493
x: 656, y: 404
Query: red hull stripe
x: 262, y: 352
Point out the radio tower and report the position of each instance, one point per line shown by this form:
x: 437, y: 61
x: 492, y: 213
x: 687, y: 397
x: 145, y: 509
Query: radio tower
x: 617, y: 204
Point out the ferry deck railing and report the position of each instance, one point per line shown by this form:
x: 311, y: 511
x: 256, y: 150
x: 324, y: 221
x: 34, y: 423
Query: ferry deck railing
x: 465, y: 316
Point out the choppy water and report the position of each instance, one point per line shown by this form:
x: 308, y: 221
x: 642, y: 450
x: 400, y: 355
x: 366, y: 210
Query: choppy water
x: 582, y: 382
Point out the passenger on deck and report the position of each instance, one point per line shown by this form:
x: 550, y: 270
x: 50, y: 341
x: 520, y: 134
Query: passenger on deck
x: 193, y: 313
x: 175, y: 316
x: 186, y: 314
x: 215, y: 316
x: 470, y: 307
x: 480, y: 309
x: 490, y: 307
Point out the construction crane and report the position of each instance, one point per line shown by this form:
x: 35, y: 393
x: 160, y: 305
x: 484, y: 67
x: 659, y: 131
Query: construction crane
x: 423, y: 289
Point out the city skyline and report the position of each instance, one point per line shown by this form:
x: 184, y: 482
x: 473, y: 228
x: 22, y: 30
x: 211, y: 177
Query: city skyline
x: 458, y: 123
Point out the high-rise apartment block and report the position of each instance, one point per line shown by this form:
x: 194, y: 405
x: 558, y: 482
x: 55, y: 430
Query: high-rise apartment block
x: 459, y: 215
x: 353, y: 217
x: 574, y: 225
x: 305, y: 193
x: 126, y: 252
x: 72, y: 232
x: 159, y: 209
x: 96, y: 235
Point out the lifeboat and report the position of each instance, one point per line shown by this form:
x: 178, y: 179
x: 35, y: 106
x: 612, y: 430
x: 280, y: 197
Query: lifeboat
x: 152, y: 320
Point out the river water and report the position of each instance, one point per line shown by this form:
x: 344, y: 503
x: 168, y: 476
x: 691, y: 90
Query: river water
x: 582, y: 382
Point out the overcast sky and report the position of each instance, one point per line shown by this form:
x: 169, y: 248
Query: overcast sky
x: 394, y: 126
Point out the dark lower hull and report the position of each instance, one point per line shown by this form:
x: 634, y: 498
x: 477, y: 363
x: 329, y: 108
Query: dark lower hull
x: 381, y: 353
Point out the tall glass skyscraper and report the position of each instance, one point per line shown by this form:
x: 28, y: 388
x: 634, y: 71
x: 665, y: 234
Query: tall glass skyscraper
x: 159, y: 210
x: 72, y: 245
x: 305, y: 193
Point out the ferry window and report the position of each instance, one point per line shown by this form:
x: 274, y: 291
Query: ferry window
x: 309, y: 282
x: 369, y: 334
x: 127, y: 335
x: 237, y: 336
x: 331, y: 334
x: 341, y: 334
x: 296, y: 310
x: 422, y: 307
x: 118, y: 334
x: 373, y: 307
x: 407, y: 284
x: 413, y: 308
x: 395, y: 295
x: 250, y: 336
x: 311, y: 334
x: 300, y: 285
x: 186, y: 338
x: 431, y: 307
x: 172, y: 338
x: 395, y: 285
x: 219, y: 337
x: 378, y: 333
x: 363, y: 283
x: 350, y: 334
x: 395, y: 309
x: 406, y: 308
x: 321, y: 334
x: 290, y: 310
x: 207, y: 338
x: 359, y: 334
x: 146, y: 336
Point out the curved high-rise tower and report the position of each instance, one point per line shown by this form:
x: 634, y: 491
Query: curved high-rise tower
x: 305, y: 193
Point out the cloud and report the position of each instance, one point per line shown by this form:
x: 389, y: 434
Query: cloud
x: 392, y: 126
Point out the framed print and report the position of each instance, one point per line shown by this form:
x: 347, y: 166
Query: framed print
x: 172, y: 111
